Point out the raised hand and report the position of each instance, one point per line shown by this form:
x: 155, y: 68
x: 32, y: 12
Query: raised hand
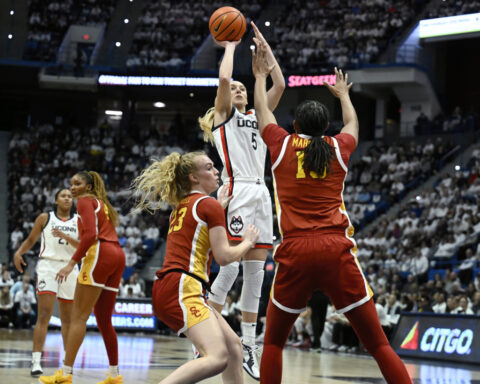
x: 341, y: 87
x: 260, y: 64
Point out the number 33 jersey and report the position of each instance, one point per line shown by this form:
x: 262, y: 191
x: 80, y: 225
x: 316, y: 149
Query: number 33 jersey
x: 188, y: 241
x: 307, y: 201
x: 240, y: 146
x: 55, y: 248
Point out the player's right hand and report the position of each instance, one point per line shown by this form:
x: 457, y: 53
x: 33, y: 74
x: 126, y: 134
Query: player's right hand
x: 341, y: 87
x: 251, y: 234
x: 19, y: 262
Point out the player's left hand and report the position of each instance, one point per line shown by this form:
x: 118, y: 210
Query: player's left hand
x: 260, y: 65
x: 63, y: 273
x: 258, y: 34
x: 222, y: 197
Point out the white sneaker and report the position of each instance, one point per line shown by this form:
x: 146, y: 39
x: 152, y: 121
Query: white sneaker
x: 36, y: 369
x: 196, y: 353
x: 250, y: 360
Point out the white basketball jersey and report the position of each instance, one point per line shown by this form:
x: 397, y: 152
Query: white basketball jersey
x: 55, y: 248
x: 240, y: 146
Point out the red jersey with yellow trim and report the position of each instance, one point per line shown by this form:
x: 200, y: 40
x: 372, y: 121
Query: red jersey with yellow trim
x: 93, y: 224
x: 188, y: 241
x: 306, y: 201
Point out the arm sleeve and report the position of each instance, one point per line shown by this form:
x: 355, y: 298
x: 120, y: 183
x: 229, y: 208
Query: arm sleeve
x: 210, y: 211
x: 273, y: 135
x: 86, y: 212
x: 347, y: 145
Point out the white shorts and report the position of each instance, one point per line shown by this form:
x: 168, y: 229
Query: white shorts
x: 47, y: 284
x: 251, y: 204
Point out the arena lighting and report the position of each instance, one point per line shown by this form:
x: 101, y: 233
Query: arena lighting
x: 159, y: 104
x: 191, y: 94
x: 418, y: 198
x: 158, y: 81
x: 118, y: 44
x: 126, y: 21
x: 267, y: 23
x: 112, y: 112
x: 457, y: 167
x: 12, y: 12
x: 452, y: 25
x: 10, y: 36
x: 252, y: 47
x: 307, y: 81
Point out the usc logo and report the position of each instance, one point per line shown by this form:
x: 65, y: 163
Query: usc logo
x: 195, y: 312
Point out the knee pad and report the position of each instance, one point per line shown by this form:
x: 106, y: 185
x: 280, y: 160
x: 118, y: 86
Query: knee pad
x: 252, y: 285
x: 223, y: 283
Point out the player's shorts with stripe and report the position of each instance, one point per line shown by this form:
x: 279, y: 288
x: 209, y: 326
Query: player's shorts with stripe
x: 103, y: 265
x: 312, y: 261
x: 178, y: 301
x: 251, y: 204
x: 47, y: 283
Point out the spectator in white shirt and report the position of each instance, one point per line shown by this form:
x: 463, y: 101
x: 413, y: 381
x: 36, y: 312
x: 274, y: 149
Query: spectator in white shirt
x: 25, y: 313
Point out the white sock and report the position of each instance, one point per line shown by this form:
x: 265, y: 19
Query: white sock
x: 67, y: 370
x: 36, y: 356
x: 113, y: 370
x: 248, y: 333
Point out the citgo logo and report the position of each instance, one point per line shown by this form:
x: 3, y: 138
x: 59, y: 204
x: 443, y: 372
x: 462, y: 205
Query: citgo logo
x: 440, y: 340
x: 411, y: 341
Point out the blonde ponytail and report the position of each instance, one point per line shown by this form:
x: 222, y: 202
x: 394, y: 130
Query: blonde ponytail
x: 165, y: 181
x: 206, y: 124
x: 99, y: 191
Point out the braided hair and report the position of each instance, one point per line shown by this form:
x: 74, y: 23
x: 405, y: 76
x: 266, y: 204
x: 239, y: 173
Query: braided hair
x: 312, y: 118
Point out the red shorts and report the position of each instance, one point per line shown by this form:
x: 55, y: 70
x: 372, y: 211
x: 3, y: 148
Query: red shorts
x: 103, y: 265
x: 318, y: 261
x: 179, y: 302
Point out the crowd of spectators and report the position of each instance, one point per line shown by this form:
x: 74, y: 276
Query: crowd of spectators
x: 314, y: 35
x: 453, y: 8
x: 168, y: 33
x: 49, y: 20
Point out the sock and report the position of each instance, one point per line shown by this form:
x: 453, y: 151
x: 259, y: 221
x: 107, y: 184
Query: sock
x: 36, y: 356
x: 113, y: 370
x: 249, y: 333
x: 103, y: 310
x: 67, y: 370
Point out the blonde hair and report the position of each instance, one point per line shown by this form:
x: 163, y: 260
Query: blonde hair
x: 165, y: 181
x: 206, y: 124
x: 99, y: 191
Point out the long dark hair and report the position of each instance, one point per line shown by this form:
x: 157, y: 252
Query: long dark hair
x: 312, y: 119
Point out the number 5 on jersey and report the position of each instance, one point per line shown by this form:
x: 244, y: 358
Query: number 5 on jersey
x: 177, y: 219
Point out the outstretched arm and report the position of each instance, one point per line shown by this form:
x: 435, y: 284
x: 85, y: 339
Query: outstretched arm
x: 274, y: 94
x: 223, y: 101
x: 261, y: 71
x: 341, y: 90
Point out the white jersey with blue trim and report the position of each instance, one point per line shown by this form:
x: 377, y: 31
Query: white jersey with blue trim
x: 240, y: 146
x: 56, y: 248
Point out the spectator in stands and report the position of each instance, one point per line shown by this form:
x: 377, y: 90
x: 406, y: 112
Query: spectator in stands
x: 25, y: 313
x: 5, y: 279
x: 6, y: 307
x: 440, y: 305
x: 476, y: 303
x: 463, y: 307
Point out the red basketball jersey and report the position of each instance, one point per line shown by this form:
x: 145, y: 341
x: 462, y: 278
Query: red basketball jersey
x: 188, y: 241
x: 93, y: 224
x: 306, y: 201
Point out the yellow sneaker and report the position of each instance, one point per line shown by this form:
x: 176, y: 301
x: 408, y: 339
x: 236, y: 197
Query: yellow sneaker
x: 56, y: 378
x: 112, y: 380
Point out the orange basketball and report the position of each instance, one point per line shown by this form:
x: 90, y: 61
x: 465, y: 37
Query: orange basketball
x: 227, y: 24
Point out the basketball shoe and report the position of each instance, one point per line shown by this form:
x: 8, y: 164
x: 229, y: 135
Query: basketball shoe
x: 36, y: 369
x: 56, y: 378
x: 112, y: 380
x: 250, y: 360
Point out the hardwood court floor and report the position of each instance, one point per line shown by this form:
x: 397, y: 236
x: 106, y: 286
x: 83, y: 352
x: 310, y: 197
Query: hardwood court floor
x: 149, y: 358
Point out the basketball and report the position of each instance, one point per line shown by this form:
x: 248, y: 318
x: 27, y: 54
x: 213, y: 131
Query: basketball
x: 227, y: 24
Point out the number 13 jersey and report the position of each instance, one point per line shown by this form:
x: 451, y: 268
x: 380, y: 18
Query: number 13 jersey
x: 320, y: 206
x: 55, y: 248
x: 240, y: 146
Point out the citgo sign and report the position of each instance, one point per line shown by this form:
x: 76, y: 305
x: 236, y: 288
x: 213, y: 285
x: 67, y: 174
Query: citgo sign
x: 445, y: 337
